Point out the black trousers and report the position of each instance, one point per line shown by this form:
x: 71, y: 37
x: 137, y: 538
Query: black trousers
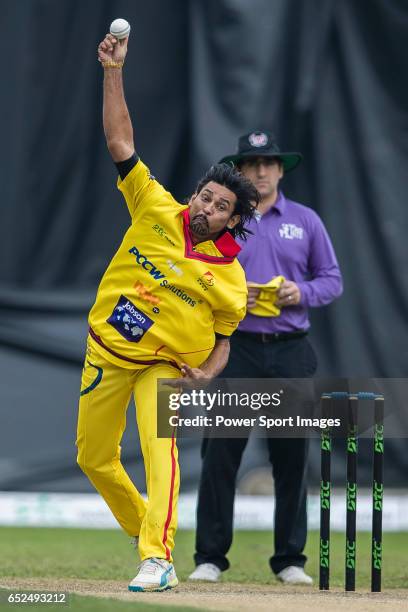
x: 250, y: 358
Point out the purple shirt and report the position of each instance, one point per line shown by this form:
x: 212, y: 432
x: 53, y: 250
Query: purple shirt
x: 290, y: 239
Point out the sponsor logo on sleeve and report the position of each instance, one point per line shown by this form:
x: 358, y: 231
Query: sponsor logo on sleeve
x: 129, y: 321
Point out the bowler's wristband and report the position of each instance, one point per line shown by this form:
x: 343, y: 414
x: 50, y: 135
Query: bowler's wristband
x: 124, y: 167
x: 221, y: 337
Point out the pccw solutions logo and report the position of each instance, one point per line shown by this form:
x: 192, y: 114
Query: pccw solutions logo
x: 150, y: 267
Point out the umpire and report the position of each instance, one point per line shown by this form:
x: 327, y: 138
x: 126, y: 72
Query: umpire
x: 288, y: 240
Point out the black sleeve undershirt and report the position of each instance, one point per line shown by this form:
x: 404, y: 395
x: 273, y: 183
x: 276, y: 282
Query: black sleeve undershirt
x: 124, y: 167
x: 221, y: 337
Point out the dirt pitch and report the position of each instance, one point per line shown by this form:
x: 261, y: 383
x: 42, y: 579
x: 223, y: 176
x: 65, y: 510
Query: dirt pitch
x: 226, y: 595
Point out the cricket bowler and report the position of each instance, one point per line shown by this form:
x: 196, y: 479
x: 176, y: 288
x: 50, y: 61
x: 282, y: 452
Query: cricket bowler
x: 169, y: 300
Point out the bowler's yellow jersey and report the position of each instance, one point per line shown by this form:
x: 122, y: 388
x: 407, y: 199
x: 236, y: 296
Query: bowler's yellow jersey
x: 161, y: 298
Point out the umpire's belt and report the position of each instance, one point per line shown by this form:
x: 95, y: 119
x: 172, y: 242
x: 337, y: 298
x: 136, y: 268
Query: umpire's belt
x: 275, y: 337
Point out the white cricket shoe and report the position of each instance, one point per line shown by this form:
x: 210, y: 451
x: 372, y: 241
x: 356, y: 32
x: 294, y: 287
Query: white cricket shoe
x: 154, y: 575
x: 294, y: 575
x: 207, y: 572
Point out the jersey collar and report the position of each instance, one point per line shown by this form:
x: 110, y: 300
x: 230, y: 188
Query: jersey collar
x: 280, y: 204
x: 225, y: 244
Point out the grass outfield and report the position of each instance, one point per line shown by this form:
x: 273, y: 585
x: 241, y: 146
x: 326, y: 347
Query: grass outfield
x: 108, y: 555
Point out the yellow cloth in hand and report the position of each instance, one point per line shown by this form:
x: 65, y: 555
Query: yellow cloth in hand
x: 265, y: 302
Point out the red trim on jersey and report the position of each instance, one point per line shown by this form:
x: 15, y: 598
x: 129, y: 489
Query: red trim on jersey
x: 159, y: 349
x: 99, y: 341
x: 225, y: 244
x: 210, y: 348
x: 170, y: 506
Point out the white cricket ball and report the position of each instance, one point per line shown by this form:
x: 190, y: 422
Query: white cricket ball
x: 120, y: 28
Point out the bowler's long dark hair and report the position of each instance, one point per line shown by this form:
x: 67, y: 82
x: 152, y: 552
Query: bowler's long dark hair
x: 247, y: 195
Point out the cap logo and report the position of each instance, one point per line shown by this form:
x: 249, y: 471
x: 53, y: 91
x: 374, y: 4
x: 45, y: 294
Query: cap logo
x: 258, y: 139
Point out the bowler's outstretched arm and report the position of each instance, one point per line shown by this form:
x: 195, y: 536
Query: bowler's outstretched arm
x: 116, y: 119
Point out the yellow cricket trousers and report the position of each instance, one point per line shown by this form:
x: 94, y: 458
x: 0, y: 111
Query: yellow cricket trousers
x: 105, y: 394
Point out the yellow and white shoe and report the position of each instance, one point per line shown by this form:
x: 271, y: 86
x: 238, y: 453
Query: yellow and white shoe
x: 154, y: 575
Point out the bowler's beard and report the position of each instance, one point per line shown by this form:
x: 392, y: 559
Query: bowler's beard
x: 199, y: 225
